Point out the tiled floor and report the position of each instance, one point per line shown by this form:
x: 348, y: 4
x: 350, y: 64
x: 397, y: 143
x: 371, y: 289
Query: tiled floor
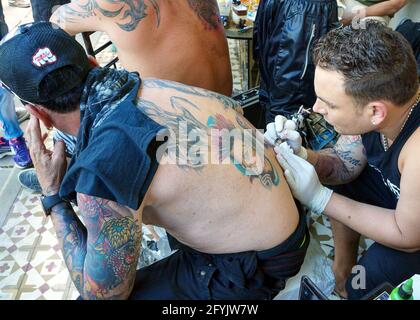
x: 31, y: 264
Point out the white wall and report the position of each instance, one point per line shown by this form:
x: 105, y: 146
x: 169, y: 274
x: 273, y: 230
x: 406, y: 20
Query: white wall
x: 411, y: 11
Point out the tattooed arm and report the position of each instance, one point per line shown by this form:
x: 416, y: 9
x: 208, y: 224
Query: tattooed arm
x: 98, y: 15
x: 340, y: 164
x: 101, y: 257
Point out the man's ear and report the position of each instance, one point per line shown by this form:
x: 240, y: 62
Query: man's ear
x: 38, y: 112
x: 378, y: 111
x: 93, y: 62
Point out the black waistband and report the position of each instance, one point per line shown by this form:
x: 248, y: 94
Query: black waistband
x: 298, y: 239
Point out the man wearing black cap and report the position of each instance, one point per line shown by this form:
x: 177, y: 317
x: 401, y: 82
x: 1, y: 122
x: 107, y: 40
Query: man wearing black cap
x: 210, y: 171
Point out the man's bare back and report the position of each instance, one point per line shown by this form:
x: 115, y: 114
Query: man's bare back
x: 208, y: 205
x: 179, y: 40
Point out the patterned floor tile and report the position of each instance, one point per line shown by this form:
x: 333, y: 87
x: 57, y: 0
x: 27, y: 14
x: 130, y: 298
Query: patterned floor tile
x: 8, y: 294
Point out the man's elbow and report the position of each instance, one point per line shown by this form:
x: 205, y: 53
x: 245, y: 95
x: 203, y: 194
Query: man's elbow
x: 58, y: 18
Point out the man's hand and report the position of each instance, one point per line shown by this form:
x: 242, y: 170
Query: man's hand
x: 303, y: 180
x: 283, y: 129
x: 50, y: 166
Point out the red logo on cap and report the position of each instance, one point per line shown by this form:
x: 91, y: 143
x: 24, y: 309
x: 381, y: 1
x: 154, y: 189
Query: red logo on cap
x: 43, y: 57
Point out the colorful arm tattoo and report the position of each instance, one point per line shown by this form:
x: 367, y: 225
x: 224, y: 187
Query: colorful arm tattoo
x: 101, y: 257
x: 113, y: 248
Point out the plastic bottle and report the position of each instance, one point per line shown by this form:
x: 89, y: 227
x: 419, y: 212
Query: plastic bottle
x: 404, y: 291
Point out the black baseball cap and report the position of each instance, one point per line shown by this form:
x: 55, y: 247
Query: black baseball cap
x: 34, y: 51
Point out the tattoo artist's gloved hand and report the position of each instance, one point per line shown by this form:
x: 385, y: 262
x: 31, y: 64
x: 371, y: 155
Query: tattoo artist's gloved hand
x: 50, y: 166
x: 303, y: 180
x: 283, y: 129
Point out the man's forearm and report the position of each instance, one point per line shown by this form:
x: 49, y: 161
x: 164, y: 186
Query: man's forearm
x: 386, y: 8
x: 72, y: 236
x: 364, y: 218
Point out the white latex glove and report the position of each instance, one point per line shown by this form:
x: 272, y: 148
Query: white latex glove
x: 303, y: 180
x: 283, y: 129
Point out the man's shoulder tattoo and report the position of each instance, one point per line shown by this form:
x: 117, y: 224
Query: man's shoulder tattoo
x: 207, y: 11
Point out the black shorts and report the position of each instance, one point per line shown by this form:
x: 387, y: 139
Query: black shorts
x: 189, y: 274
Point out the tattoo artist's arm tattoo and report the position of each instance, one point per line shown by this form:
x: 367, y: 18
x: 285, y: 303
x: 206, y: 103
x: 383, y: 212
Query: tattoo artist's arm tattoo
x: 230, y: 136
x: 343, y: 163
x: 101, y: 257
x: 127, y: 13
x: 207, y: 11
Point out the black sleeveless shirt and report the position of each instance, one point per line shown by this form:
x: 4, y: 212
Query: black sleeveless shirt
x: 386, y: 163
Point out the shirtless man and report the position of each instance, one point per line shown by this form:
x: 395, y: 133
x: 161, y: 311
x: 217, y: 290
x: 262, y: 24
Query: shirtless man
x: 179, y: 40
x: 240, y: 234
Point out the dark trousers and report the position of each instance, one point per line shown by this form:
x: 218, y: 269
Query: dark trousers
x: 193, y: 275
x: 43, y: 9
x: 3, y: 26
x: 382, y: 264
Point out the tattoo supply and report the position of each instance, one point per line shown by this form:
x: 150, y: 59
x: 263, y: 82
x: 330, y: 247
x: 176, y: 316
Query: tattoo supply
x: 239, y: 13
x: 403, y: 292
x: 225, y: 7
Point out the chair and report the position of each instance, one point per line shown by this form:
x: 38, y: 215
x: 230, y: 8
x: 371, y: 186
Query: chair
x: 94, y: 52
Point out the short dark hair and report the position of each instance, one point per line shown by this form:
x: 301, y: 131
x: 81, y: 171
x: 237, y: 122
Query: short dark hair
x: 377, y: 63
x: 66, y: 102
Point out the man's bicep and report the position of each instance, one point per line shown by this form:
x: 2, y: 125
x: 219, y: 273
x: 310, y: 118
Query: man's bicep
x: 113, y: 248
x: 407, y: 214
